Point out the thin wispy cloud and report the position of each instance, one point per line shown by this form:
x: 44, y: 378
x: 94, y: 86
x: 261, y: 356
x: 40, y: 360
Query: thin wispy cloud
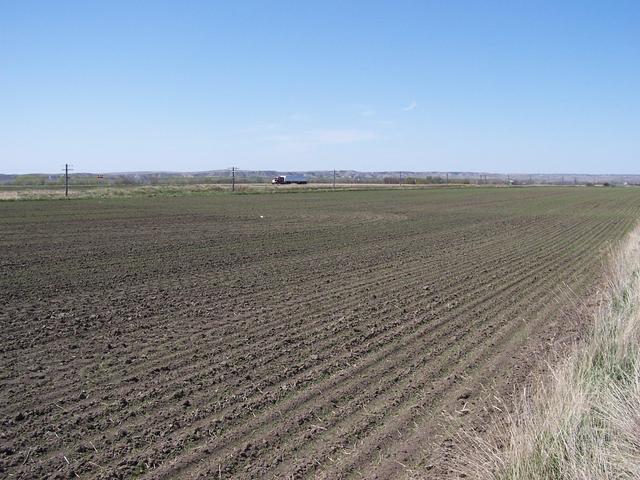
x: 324, y: 137
x: 263, y: 127
x: 316, y: 138
x: 300, y: 117
x: 410, y: 107
x: 368, y: 113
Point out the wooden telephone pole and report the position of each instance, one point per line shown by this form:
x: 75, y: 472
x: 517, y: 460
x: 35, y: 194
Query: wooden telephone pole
x: 233, y: 179
x: 66, y: 179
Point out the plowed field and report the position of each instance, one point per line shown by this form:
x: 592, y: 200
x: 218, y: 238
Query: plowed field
x: 281, y: 335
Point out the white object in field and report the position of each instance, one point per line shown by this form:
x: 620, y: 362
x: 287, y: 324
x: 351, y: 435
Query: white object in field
x: 261, y: 216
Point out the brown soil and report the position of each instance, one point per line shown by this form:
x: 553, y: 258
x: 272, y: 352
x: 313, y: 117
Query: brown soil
x: 328, y: 335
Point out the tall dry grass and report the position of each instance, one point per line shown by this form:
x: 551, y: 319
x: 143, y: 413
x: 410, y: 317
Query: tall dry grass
x: 585, y: 423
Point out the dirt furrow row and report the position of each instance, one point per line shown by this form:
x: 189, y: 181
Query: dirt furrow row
x: 342, y: 394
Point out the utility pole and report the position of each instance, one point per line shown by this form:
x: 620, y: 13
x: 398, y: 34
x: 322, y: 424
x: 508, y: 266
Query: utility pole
x: 562, y: 181
x: 334, y: 178
x: 66, y: 179
x: 447, y: 178
x: 400, y: 178
x: 233, y: 179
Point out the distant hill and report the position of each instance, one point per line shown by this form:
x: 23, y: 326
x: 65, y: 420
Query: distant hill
x: 342, y: 176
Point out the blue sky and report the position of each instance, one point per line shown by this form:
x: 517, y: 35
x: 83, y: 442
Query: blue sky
x: 505, y: 86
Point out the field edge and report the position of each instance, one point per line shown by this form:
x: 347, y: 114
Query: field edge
x: 582, y: 423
